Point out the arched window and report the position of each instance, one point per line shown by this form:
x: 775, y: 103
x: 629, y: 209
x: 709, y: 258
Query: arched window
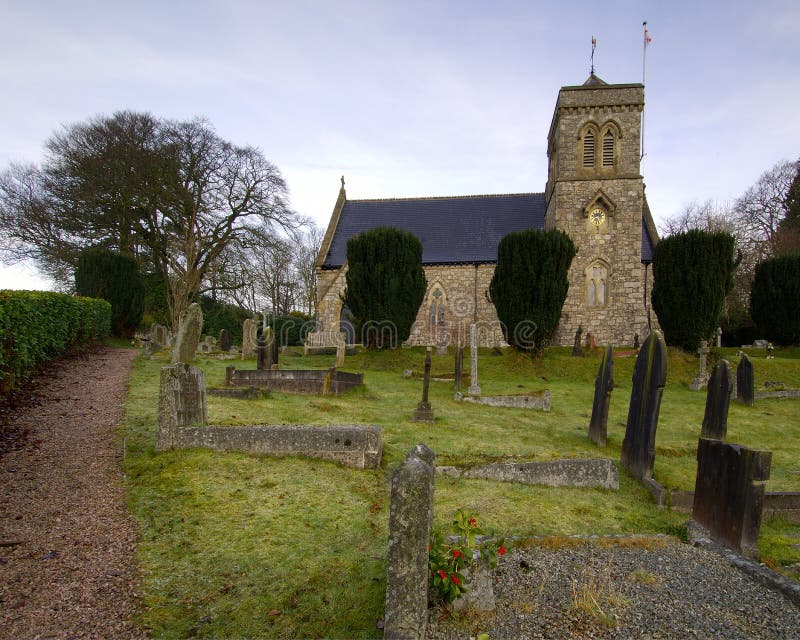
x: 588, y: 149
x: 608, y: 148
x: 437, y: 303
x: 597, y: 284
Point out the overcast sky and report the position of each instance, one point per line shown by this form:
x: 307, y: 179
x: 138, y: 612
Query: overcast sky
x: 412, y: 98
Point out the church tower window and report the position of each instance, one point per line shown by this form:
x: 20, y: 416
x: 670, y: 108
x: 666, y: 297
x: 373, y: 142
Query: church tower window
x: 608, y: 148
x: 588, y: 149
x: 597, y: 284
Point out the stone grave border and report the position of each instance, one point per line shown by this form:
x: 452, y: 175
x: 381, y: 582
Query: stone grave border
x: 541, y: 401
x: 301, y: 381
x: 599, y: 473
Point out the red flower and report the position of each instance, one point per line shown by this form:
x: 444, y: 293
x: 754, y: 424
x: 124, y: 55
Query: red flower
x: 442, y: 574
x: 457, y: 553
x: 473, y: 522
x: 454, y: 578
x: 501, y: 551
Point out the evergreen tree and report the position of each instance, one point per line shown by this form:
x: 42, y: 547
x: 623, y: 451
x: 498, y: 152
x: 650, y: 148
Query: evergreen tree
x: 530, y: 285
x: 692, y: 274
x: 385, y: 284
x: 775, y: 299
x: 106, y: 274
x: 792, y: 202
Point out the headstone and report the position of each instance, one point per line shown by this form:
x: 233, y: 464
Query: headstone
x: 603, y: 386
x: 729, y: 493
x: 458, y: 369
x: 441, y: 349
x: 181, y: 402
x: 649, y: 378
x: 423, y: 412
x: 701, y: 379
x: 576, y: 347
x: 263, y: 353
x: 224, y: 340
x: 745, y: 385
x: 719, y: 337
x: 410, y: 517
x: 760, y: 344
x: 189, y: 329
x: 590, y: 343
x: 770, y: 351
x: 340, y: 351
x: 474, y: 389
x: 249, y: 337
x: 718, y: 397
x: 636, y: 341
x: 158, y: 333
x: 270, y: 343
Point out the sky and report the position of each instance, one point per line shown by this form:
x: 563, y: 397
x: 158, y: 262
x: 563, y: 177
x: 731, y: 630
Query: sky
x: 412, y: 98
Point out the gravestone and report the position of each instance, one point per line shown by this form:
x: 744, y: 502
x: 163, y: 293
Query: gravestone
x: 474, y: 389
x: 263, y: 353
x: 636, y: 341
x: 719, y: 337
x: 270, y: 344
x: 603, y: 386
x: 189, y: 329
x: 224, y: 340
x: 745, y: 385
x: 340, y: 352
x: 649, y: 378
x: 729, y: 493
x: 249, y: 337
x: 181, y: 402
x: 158, y: 333
x: 576, y: 346
x: 423, y: 412
x: 701, y: 379
x: 410, y: 517
x: 718, y: 397
x: 458, y: 369
x: 590, y: 343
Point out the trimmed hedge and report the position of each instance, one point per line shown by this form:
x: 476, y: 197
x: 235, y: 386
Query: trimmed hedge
x: 37, y: 326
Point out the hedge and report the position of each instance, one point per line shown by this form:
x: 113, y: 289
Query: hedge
x: 37, y: 326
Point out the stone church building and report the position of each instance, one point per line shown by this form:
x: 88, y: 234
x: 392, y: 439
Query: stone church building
x: 594, y: 192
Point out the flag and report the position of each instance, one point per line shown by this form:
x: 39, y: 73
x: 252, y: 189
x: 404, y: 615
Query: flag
x: 647, y: 38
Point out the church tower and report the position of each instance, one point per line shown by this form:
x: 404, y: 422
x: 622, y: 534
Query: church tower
x: 595, y: 193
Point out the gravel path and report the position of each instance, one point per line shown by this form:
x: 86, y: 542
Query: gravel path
x: 66, y: 540
x: 659, y: 590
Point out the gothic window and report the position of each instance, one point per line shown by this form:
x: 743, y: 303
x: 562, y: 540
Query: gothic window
x: 588, y: 149
x: 436, y: 306
x: 596, y: 284
x: 608, y: 148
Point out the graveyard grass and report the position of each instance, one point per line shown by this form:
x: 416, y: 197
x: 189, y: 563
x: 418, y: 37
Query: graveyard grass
x: 234, y: 545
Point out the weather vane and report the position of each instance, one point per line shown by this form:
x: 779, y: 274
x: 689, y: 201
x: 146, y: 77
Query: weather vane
x: 342, y: 182
x: 594, y: 45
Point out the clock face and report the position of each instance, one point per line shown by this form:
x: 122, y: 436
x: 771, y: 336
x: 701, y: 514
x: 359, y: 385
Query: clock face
x: 597, y: 216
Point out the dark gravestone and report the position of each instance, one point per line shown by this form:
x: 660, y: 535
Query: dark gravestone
x: 576, y: 346
x: 718, y: 398
x: 181, y: 402
x: 423, y: 412
x: 603, y: 386
x: 263, y: 354
x: 649, y: 378
x: 224, y: 340
x: 459, y: 368
x: 636, y: 341
x: 745, y: 386
x: 729, y: 493
x: 410, y: 516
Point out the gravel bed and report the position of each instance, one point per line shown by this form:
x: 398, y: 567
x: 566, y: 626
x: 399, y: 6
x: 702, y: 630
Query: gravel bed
x: 663, y: 590
x: 66, y: 540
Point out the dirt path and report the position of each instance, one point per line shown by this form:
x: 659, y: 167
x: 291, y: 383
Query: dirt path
x: 66, y: 540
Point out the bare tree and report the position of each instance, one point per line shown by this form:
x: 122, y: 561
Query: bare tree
x: 308, y: 247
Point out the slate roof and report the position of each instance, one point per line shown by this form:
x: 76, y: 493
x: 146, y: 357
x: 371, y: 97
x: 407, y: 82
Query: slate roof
x: 452, y: 230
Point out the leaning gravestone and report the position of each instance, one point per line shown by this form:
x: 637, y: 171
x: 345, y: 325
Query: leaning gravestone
x: 649, y: 378
x: 249, y: 338
x: 189, y: 330
x: 745, y: 386
x: 224, y: 340
x: 181, y: 402
x: 603, y: 386
x: 410, y: 517
x: 474, y: 388
x: 718, y: 397
x: 729, y: 493
x: 576, y: 346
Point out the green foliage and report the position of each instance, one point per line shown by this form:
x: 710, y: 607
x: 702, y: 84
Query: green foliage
x: 291, y: 329
x: 36, y: 326
x: 530, y: 285
x: 385, y: 282
x: 109, y: 275
x: 775, y: 299
x: 221, y: 315
x: 692, y: 274
x: 792, y: 203
x: 156, y: 305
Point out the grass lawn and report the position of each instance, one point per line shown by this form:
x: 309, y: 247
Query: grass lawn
x: 234, y: 545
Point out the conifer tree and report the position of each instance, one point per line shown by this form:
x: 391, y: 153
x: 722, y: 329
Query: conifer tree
x: 775, y: 299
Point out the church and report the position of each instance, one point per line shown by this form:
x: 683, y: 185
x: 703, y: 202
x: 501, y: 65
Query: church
x: 595, y: 193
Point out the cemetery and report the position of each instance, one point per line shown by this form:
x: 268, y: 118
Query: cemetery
x: 576, y: 470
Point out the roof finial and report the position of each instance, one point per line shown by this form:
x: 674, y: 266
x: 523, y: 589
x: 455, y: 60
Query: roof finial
x: 594, y: 44
x: 342, y: 182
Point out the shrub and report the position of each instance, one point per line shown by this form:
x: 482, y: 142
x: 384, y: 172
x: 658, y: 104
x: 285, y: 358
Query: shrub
x: 385, y: 282
x: 530, y: 285
x: 109, y: 275
x: 692, y: 274
x: 36, y: 326
x: 222, y: 315
x: 775, y: 299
